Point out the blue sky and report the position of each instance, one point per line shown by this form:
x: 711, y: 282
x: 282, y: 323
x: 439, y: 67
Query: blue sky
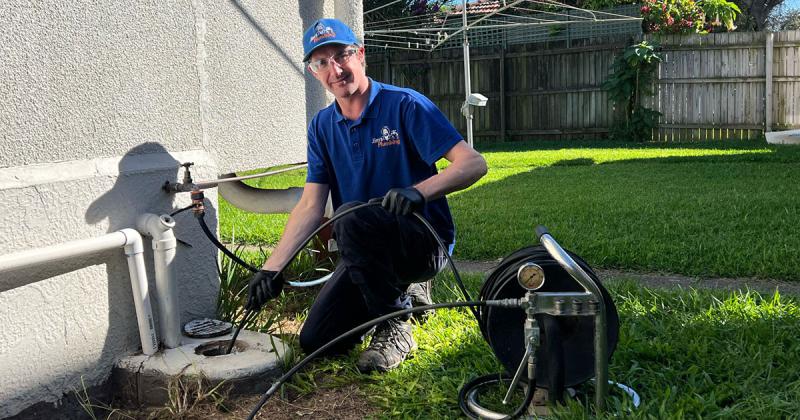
x: 793, y: 4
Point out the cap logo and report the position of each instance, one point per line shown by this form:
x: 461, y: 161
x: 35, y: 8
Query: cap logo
x: 321, y: 32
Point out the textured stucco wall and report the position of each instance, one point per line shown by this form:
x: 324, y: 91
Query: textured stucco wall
x: 72, y: 319
x: 257, y: 98
x: 99, y: 103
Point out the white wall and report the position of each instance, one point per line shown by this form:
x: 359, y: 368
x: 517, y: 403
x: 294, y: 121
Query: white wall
x: 99, y: 104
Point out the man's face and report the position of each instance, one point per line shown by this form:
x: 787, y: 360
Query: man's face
x: 344, y: 72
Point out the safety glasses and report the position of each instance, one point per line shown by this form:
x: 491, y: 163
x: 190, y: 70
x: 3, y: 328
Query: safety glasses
x: 324, y: 65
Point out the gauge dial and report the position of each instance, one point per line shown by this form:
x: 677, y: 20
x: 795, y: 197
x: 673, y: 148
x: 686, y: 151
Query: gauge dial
x: 530, y: 276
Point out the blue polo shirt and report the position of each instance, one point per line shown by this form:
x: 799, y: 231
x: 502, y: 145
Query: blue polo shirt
x: 395, y: 144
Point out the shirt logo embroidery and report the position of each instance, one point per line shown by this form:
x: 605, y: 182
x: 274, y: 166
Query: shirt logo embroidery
x: 322, y: 32
x: 388, y: 138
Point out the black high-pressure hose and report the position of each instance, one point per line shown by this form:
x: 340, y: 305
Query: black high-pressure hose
x: 181, y: 210
x: 280, y: 381
x: 470, y: 304
x: 222, y: 247
x: 486, y: 379
x: 300, y: 247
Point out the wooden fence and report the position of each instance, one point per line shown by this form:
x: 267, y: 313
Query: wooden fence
x: 717, y: 86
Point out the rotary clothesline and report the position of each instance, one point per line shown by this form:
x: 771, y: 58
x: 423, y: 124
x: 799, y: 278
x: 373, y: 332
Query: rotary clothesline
x: 429, y: 31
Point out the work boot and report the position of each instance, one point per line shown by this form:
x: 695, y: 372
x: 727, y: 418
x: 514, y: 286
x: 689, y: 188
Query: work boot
x: 390, y: 345
x: 420, y: 294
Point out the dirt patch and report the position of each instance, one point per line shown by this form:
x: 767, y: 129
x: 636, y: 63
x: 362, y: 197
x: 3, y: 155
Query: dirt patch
x: 660, y: 280
x: 346, y: 402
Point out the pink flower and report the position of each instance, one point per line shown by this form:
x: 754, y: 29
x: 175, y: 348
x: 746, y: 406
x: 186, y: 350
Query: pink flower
x: 645, y: 9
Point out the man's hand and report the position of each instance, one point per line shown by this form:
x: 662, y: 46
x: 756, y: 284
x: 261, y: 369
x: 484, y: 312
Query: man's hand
x: 264, y: 286
x: 403, y: 201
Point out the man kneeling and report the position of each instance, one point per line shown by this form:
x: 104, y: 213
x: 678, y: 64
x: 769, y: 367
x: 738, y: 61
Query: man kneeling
x: 375, y: 140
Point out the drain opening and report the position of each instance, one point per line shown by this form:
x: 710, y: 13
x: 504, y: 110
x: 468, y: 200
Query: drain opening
x: 218, y: 348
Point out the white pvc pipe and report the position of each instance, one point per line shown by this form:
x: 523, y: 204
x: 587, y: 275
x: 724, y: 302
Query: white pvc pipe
x: 127, y: 238
x: 63, y: 251
x: 164, y: 243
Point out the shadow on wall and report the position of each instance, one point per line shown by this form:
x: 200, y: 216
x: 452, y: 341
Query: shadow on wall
x: 104, y: 334
x: 309, y: 11
x: 130, y: 196
x: 142, y: 171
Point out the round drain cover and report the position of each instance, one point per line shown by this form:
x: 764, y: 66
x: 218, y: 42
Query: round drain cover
x: 206, y: 327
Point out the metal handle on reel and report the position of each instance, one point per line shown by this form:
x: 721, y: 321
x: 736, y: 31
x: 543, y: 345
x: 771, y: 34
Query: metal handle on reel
x: 600, y: 321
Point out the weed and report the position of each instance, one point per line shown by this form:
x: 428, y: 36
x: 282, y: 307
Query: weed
x: 191, y: 395
x: 90, y: 406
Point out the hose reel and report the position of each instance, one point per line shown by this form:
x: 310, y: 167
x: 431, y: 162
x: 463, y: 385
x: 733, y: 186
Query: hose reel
x: 555, y: 335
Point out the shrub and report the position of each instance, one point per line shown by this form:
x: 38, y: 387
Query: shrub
x: 632, y: 77
x: 673, y: 16
x: 719, y: 12
x: 688, y: 16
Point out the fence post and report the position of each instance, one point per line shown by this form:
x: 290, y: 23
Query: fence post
x: 768, y: 96
x: 502, y: 94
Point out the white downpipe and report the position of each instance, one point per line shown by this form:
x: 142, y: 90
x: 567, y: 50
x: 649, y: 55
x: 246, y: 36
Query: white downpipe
x: 160, y: 229
x: 127, y: 238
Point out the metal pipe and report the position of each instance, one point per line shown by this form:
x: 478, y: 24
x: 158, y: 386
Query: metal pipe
x: 505, y: 25
x: 600, y: 325
x: 132, y: 243
x: 188, y: 185
x: 233, y: 178
x: 467, y: 81
x: 160, y: 229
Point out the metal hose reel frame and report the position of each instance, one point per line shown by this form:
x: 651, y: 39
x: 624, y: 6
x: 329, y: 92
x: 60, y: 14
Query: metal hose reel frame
x: 582, y: 354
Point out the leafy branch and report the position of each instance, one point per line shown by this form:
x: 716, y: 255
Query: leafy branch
x: 632, y: 78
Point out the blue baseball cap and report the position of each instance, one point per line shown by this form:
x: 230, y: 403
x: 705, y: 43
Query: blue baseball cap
x: 324, y: 32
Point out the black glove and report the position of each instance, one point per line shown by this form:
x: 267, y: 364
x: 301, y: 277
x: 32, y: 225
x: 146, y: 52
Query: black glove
x: 403, y: 201
x: 264, y: 286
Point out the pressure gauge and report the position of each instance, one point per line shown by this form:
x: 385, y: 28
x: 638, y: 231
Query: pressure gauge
x: 530, y: 276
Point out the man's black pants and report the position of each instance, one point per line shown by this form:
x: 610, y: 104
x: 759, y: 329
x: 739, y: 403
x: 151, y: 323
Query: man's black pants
x: 380, y: 255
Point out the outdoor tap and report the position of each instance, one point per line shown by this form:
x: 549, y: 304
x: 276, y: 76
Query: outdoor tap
x: 186, y: 186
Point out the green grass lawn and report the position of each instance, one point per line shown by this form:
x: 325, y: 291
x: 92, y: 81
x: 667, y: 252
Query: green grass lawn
x: 687, y: 353
x: 710, y: 209
x: 727, y: 209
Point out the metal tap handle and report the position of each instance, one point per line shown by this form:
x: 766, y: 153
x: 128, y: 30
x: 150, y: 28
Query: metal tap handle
x: 522, y: 364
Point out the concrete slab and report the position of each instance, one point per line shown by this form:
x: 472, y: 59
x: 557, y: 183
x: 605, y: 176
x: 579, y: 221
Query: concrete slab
x: 249, y: 369
x: 783, y: 137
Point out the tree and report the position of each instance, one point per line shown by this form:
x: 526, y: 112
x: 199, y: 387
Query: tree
x: 599, y: 4
x: 785, y: 20
x: 756, y: 13
x: 400, y: 9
